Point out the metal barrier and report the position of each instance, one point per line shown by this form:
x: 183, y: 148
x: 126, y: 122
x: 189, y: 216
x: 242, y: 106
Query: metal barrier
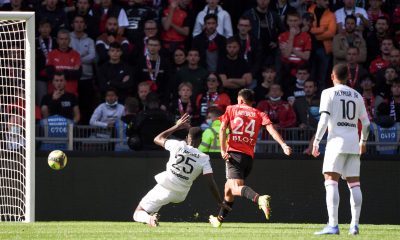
x: 89, y: 138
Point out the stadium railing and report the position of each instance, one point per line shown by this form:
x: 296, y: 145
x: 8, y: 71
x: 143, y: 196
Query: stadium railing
x: 91, y: 139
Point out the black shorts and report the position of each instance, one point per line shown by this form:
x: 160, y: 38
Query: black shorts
x: 239, y: 165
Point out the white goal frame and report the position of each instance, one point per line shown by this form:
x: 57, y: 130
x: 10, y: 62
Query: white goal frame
x: 29, y: 17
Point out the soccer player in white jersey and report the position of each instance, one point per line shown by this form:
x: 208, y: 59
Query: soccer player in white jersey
x: 341, y: 107
x: 185, y: 164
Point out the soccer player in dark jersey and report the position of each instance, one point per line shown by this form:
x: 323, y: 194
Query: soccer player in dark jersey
x: 244, y: 123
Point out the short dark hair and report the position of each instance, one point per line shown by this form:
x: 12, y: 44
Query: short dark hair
x: 232, y: 40
x: 247, y: 95
x: 112, y: 89
x: 195, y: 133
x: 59, y: 73
x: 210, y: 16
x: 115, y: 45
x: 304, y: 66
x: 293, y: 13
x: 341, y: 72
x: 350, y: 17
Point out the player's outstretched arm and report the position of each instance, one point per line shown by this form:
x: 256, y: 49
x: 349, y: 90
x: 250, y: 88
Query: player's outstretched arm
x: 277, y: 137
x: 182, y: 123
x: 212, y: 185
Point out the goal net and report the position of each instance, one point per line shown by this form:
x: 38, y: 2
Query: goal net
x: 17, y: 105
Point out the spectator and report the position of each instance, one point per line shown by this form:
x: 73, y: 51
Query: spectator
x: 348, y: 38
x: 356, y: 71
x: 129, y: 118
x: 192, y: 72
x: 210, y: 43
x: 142, y: 91
x: 307, y: 106
x: 138, y: 13
x: 224, y: 27
x: 107, y: 9
x: 265, y: 27
x: 212, y: 96
x: 85, y: 46
x: 367, y: 91
x: 150, y: 122
x: 210, y: 137
x: 156, y: 70
x: 279, y: 111
x: 82, y: 8
x: 175, y: 25
x: 382, y: 61
x: 116, y: 74
x: 60, y: 102
x: 295, y: 46
x: 295, y: 87
x: 374, y: 12
x: 52, y: 12
x: 16, y: 5
x: 233, y: 70
x: 301, y: 5
x: 110, y: 36
x: 269, y: 78
x: 179, y: 56
x: 45, y: 43
x: 248, y: 43
x: 141, y: 49
x: 324, y: 29
x: 283, y: 8
x: 351, y: 9
x: 383, y: 88
x: 65, y: 59
x: 184, y: 103
x: 375, y: 38
x: 109, y: 112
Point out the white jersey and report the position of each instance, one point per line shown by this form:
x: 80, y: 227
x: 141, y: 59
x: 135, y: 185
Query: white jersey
x: 344, y: 106
x: 185, y: 164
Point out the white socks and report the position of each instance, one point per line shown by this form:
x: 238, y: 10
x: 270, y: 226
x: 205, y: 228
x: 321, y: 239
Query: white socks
x: 355, y: 202
x: 332, y: 201
x: 141, y: 216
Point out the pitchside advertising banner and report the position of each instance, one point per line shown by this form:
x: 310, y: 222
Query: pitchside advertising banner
x: 108, y: 187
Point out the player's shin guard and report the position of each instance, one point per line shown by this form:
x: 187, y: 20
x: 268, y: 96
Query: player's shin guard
x: 223, y: 212
x: 249, y: 193
x: 332, y: 201
x: 141, y: 216
x: 355, y: 202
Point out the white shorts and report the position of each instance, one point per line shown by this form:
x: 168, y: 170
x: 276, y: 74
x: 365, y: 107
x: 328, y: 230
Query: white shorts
x: 160, y: 196
x: 346, y: 164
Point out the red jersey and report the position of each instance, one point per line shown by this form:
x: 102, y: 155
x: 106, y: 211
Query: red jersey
x: 301, y: 42
x: 377, y: 64
x: 244, y: 124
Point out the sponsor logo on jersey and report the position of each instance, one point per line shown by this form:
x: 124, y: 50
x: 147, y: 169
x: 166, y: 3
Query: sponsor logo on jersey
x: 243, y: 139
x: 346, y: 124
x: 179, y: 175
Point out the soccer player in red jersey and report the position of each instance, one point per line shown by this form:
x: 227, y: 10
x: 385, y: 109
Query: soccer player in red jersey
x: 244, y: 123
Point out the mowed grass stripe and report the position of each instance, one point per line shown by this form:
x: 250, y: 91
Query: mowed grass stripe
x: 184, y: 230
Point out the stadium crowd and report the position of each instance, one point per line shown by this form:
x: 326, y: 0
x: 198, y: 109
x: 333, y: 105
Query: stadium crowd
x: 159, y: 59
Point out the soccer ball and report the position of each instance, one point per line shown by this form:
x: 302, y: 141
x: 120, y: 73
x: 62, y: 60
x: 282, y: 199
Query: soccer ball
x: 57, y: 159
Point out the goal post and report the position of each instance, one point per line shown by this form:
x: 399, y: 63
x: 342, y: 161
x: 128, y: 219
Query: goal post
x: 17, y: 116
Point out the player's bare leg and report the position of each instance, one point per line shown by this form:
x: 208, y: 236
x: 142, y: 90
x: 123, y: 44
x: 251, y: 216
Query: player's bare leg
x: 140, y: 215
x: 355, y: 203
x: 332, y: 203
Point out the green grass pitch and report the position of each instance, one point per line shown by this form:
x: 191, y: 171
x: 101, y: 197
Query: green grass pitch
x: 184, y: 230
